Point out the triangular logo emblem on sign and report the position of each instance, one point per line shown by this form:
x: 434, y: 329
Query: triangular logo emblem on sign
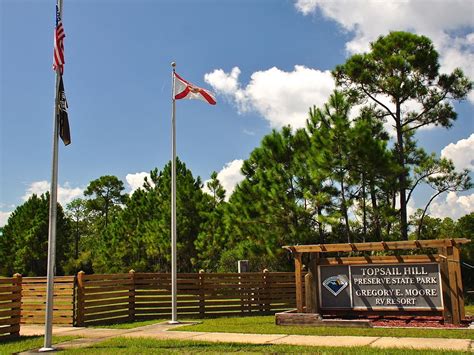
x: 335, y: 284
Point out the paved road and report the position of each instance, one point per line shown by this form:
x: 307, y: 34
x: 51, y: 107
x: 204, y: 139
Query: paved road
x: 160, y: 331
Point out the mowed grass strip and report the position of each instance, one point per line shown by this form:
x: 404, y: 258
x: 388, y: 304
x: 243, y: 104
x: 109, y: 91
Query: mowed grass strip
x: 266, y: 325
x: 469, y: 310
x: 24, y: 343
x: 153, y: 346
x: 129, y: 325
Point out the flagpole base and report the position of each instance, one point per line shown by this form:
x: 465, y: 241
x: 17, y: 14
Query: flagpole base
x: 44, y: 350
x: 174, y: 322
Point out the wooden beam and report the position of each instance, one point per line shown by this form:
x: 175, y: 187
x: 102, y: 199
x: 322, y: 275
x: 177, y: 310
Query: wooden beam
x: 390, y: 259
x: 376, y: 246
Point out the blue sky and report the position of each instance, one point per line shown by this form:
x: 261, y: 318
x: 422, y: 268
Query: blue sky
x: 267, y: 61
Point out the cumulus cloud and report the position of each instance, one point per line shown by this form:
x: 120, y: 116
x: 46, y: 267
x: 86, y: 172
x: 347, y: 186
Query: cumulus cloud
x: 135, y: 181
x: 450, y: 24
x: 453, y: 206
x: 4, y: 217
x: 461, y: 153
x: 229, y: 177
x: 280, y: 97
x: 66, y: 193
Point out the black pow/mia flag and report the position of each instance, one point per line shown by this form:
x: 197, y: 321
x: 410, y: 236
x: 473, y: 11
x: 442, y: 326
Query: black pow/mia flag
x: 62, y: 114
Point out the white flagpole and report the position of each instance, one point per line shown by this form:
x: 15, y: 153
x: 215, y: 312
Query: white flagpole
x: 53, y: 198
x: 174, y: 288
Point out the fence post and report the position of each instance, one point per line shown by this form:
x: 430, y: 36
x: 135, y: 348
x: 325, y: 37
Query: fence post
x: 202, y: 305
x: 16, y: 318
x: 80, y: 306
x: 131, y: 297
x: 264, y: 297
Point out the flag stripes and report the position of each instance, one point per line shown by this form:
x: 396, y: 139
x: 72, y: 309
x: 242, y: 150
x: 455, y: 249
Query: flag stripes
x: 59, y: 34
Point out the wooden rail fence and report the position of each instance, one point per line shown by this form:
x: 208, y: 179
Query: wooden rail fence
x: 10, y: 302
x: 33, y: 301
x: 112, y: 298
x: 132, y: 296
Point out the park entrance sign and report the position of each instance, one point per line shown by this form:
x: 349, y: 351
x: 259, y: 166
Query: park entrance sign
x: 381, y: 287
x: 361, y: 283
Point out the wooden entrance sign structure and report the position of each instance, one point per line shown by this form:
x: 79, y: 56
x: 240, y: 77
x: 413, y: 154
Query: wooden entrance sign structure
x: 441, y: 254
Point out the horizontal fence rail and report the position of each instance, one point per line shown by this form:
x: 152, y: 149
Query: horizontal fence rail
x: 10, y: 303
x: 33, y: 301
x: 103, y: 299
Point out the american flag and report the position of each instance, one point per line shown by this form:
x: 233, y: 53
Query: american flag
x: 59, y: 35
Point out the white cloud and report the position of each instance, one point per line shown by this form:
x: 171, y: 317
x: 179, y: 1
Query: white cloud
x: 227, y: 84
x: 4, y: 217
x: 280, y: 97
x: 449, y: 23
x: 229, y: 177
x: 135, y: 181
x: 461, y: 153
x: 66, y: 193
x: 454, y: 206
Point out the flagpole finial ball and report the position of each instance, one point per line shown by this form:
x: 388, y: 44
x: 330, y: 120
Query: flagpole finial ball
x: 173, y: 64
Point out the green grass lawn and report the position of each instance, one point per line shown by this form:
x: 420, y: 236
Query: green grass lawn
x: 469, y: 310
x: 130, y: 325
x: 153, y: 346
x: 266, y: 325
x: 24, y: 343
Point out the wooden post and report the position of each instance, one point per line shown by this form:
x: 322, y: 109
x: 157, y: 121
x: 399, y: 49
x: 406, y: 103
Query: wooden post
x: 460, y: 289
x: 443, y: 268
x: 202, y: 304
x: 80, y: 306
x: 131, y: 297
x: 311, y: 288
x: 317, y: 283
x: 308, y: 287
x: 299, y: 283
x: 16, y: 317
x: 453, y: 288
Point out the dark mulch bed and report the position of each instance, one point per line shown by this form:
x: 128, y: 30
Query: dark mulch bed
x: 413, y: 321
x: 416, y: 322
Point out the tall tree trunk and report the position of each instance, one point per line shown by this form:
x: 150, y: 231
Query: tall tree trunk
x: 320, y: 226
x: 364, y: 209
x: 375, y: 209
x: 402, y: 177
x: 420, y: 225
x: 344, y: 210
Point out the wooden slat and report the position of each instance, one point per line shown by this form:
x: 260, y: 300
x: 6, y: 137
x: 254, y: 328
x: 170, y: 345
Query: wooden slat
x: 358, y: 260
x: 107, y: 289
x: 57, y: 313
x: 105, y: 302
x: 8, y: 305
x: 10, y: 297
x: 8, y: 280
x: 100, y: 277
x: 108, y: 308
x: 9, y: 289
x: 92, y: 284
x: 106, y: 295
x: 376, y: 246
x: 10, y: 321
x: 9, y: 313
x: 12, y: 329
